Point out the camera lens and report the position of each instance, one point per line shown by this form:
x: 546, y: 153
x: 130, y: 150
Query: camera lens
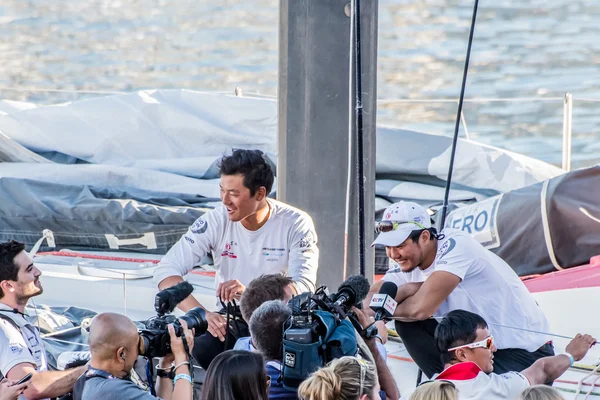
x: 195, y: 319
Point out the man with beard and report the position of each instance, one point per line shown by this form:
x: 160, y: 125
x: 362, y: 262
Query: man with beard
x: 21, y: 348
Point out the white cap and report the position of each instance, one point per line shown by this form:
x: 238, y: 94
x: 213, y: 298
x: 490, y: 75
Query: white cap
x: 411, y: 216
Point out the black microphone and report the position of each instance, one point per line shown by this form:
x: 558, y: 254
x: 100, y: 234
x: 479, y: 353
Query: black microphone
x: 384, y: 303
x: 352, y: 291
x: 166, y: 300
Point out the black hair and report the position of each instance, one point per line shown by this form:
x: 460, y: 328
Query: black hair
x: 253, y: 165
x: 415, y: 235
x: 8, y: 268
x: 236, y: 375
x: 457, y: 328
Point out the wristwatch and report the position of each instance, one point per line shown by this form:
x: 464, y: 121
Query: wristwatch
x: 165, y: 373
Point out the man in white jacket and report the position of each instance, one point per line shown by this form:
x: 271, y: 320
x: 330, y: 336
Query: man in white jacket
x: 248, y: 235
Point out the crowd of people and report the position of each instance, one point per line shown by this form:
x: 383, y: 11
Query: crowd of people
x: 454, y: 301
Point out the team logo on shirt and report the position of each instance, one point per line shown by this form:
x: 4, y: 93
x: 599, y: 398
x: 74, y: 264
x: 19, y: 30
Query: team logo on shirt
x: 16, y: 348
x: 228, y: 252
x: 199, y: 226
x: 307, y: 240
x: 446, y: 248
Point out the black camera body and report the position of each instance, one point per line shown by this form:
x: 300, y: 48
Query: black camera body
x: 155, y: 340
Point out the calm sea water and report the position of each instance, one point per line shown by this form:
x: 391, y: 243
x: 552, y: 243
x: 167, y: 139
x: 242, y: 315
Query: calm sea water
x: 521, y: 49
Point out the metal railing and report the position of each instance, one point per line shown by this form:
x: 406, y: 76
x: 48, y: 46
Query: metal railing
x: 567, y: 102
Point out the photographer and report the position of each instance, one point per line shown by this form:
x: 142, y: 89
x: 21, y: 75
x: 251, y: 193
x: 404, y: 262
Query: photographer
x: 247, y: 236
x: 114, y: 346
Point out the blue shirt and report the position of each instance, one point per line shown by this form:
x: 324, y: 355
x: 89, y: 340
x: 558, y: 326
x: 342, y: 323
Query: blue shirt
x: 276, y: 390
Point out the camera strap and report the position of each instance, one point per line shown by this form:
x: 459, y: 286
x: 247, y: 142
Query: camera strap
x: 89, y: 374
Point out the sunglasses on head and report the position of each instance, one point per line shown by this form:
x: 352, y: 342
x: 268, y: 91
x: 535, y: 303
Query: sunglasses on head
x: 444, y: 382
x: 388, y: 226
x: 486, y: 343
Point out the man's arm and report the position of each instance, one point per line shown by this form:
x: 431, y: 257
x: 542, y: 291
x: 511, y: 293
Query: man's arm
x: 46, y: 383
x: 386, y: 380
x: 428, y: 297
x: 548, y: 369
x: 187, y: 253
x: 303, y: 260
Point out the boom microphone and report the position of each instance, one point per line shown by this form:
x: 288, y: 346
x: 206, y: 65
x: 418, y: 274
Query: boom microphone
x: 384, y: 303
x: 166, y: 300
x: 352, y: 291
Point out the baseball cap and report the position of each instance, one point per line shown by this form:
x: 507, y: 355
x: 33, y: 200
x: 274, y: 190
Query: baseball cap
x: 402, y: 218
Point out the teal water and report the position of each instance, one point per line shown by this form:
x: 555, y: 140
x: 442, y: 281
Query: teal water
x: 521, y: 49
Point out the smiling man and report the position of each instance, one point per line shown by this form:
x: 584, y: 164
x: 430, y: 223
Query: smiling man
x: 467, y: 348
x: 437, y: 273
x: 248, y: 235
x: 21, y: 348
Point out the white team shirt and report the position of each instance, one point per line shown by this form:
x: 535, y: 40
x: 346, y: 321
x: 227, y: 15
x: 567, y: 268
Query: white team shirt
x: 17, y: 348
x: 474, y: 384
x: 488, y: 287
x: 287, y: 242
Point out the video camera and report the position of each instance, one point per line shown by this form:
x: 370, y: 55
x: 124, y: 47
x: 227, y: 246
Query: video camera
x: 318, y: 330
x: 155, y: 340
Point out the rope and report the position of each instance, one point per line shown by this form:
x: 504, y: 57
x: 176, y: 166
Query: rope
x: 458, y: 114
x: 593, y: 386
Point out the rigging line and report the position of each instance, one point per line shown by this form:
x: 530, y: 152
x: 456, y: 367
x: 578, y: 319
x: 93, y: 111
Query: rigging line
x: 518, y: 329
x: 458, y: 113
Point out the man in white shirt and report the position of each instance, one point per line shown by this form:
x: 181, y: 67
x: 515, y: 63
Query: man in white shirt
x: 438, y: 273
x: 248, y: 235
x: 21, y: 348
x: 467, y: 347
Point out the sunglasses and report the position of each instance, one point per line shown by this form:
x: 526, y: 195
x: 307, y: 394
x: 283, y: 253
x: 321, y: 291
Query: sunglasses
x: 388, y: 226
x: 486, y: 343
x: 443, y: 382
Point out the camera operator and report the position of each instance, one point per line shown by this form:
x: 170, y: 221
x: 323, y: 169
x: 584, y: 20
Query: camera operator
x: 248, y: 235
x: 114, y: 346
x: 266, y: 334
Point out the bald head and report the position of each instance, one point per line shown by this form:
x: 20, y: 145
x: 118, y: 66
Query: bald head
x: 109, y: 332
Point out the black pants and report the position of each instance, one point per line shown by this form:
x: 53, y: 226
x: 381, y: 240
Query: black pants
x: 207, y: 347
x: 420, y: 344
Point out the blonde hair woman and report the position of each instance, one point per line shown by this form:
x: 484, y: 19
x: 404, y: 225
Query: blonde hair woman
x: 346, y: 378
x: 435, y: 390
x: 541, y: 392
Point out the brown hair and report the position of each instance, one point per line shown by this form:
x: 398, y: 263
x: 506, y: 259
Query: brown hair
x: 236, y: 375
x: 345, y: 378
x: 262, y: 289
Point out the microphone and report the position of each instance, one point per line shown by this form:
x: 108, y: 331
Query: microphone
x: 384, y: 303
x: 166, y: 300
x: 352, y: 291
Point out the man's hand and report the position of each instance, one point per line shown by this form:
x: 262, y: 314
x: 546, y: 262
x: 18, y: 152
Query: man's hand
x: 382, y: 331
x: 363, y: 319
x: 230, y: 290
x: 580, y: 345
x: 10, y: 391
x: 216, y: 325
x: 177, y: 342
